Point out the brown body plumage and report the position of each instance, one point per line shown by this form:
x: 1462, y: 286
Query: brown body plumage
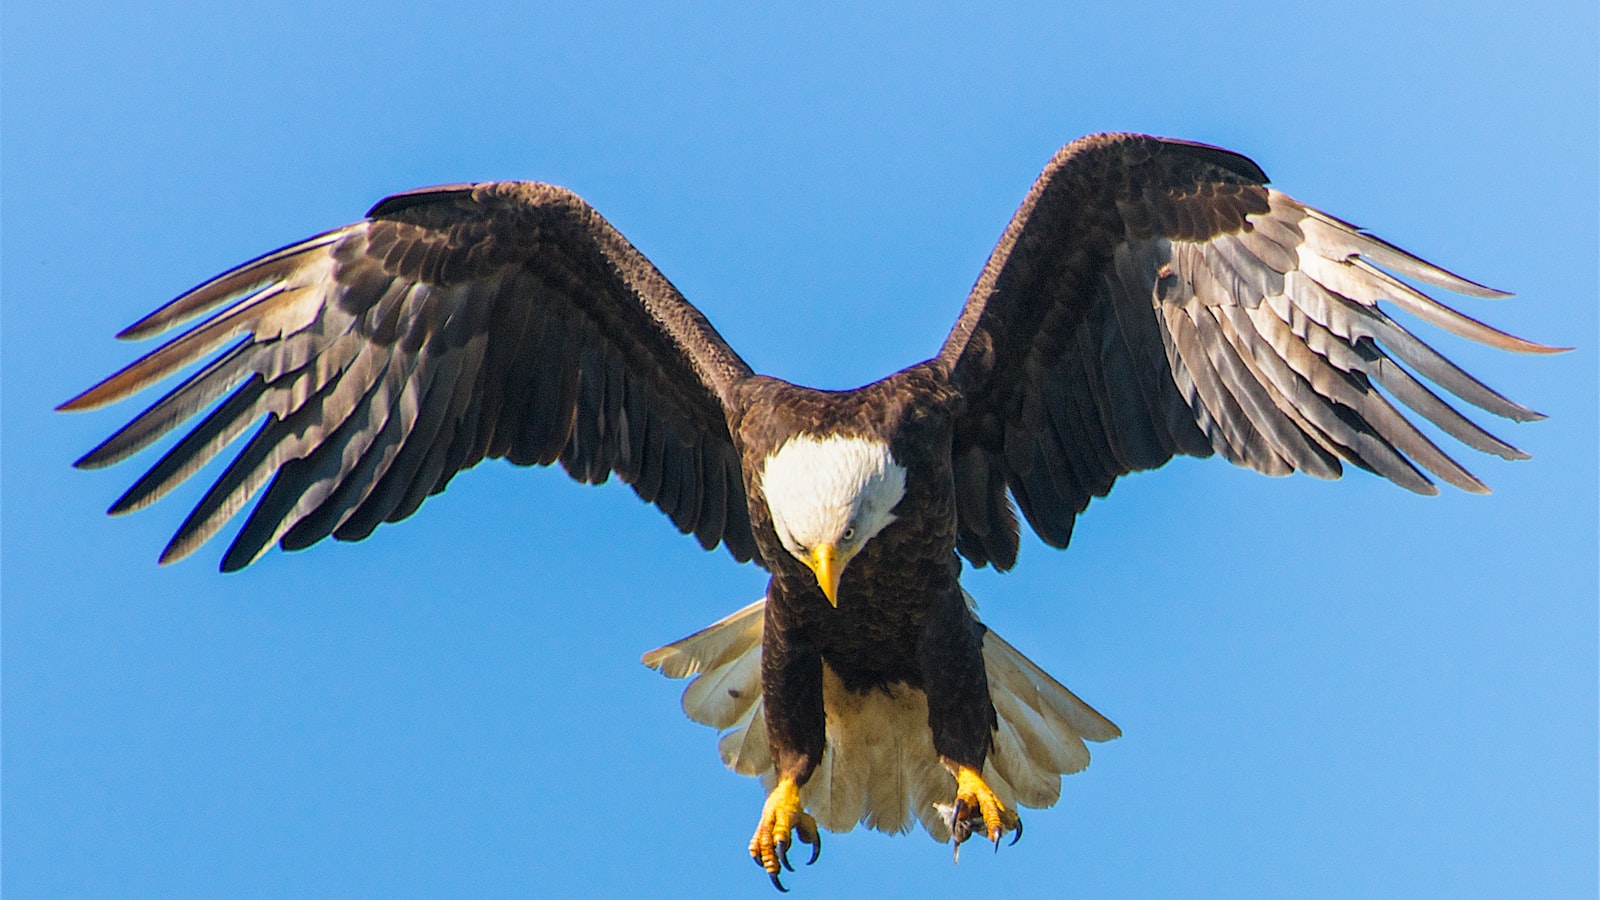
x: 1150, y: 298
x: 901, y: 616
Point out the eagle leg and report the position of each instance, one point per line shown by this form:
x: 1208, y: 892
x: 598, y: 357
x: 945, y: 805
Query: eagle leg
x: 780, y: 816
x: 977, y: 809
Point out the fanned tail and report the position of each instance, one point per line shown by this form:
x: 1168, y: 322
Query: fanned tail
x: 880, y: 769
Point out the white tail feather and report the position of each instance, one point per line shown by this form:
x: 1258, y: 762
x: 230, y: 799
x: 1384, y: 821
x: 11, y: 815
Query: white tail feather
x: 879, y: 768
x: 711, y: 646
x: 744, y: 749
x: 721, y: 696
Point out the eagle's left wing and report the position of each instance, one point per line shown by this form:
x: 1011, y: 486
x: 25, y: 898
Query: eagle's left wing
x: 452, y: 324
x: 1153, y: 298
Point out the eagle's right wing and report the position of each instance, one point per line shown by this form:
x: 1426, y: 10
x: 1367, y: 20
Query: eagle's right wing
x: 1153, y: 298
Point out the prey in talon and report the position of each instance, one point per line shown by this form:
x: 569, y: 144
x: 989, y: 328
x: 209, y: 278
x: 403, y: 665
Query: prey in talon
x: 977, y: 810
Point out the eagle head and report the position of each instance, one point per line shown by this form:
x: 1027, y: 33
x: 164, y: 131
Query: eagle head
x: 828, y: 496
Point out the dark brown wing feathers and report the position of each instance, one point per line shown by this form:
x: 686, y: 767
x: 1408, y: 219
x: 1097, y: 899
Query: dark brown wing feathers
x: 454, y: 324
x: 1149, y: 298
x: 1154, y: 297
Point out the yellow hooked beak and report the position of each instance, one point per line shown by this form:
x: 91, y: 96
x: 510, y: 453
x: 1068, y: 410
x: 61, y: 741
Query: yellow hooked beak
x: 824, y: 561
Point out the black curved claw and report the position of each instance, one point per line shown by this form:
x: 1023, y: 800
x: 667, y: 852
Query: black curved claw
x: 776, y: 883
x: 1014, y: 838
x: 960, y: 828
x: 783, y: 854
x: 816, y: 849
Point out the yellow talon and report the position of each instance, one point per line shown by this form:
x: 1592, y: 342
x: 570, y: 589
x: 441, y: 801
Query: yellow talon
x: 976, y: 805
x: 781, y: 815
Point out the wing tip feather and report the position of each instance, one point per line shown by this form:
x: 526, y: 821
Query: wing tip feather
x: 1542, y: 349
x: 173, y: 552
x: 101, y: 395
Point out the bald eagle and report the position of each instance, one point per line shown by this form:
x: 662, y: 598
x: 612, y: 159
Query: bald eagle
x: 1150, y: 298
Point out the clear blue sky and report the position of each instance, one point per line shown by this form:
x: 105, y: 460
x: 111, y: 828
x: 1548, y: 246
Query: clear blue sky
x: 1326, y: 689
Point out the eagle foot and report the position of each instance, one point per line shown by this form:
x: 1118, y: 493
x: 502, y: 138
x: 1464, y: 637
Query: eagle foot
x: 782, y: 819
x: 978, y: 810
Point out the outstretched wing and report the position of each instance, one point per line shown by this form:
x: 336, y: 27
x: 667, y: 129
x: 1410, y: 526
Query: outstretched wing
x: 453, y: 324
x: 1154, y: 297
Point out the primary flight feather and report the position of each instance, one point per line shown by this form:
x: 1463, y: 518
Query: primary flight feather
x: 1150, y: 298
